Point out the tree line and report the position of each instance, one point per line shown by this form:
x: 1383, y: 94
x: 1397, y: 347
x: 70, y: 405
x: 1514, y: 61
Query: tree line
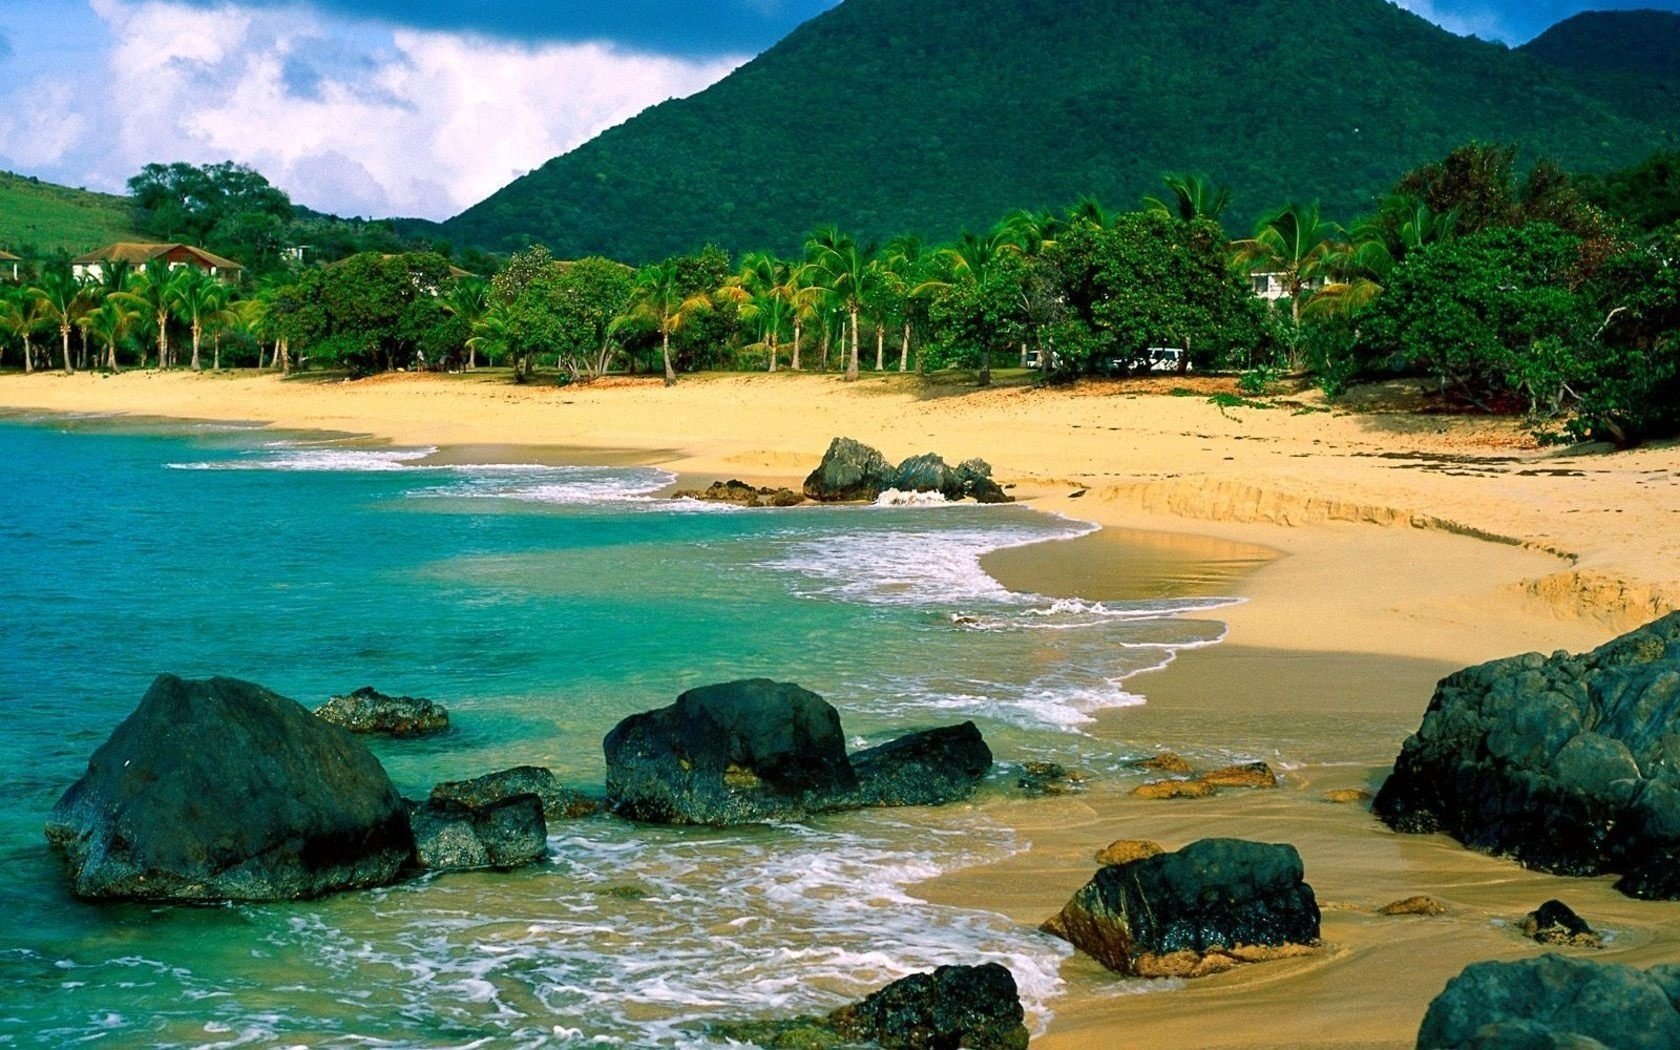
x: 1531, y: 292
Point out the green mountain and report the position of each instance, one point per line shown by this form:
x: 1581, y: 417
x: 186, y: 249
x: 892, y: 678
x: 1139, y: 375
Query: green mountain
x: 889, y: 117
x: 39, y: 217
x: 1630, y: 60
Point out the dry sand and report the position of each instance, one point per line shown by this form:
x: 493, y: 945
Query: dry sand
x: 1377, y: 551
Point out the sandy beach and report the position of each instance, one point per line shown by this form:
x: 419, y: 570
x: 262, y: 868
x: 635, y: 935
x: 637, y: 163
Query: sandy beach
x: 1375, y: 551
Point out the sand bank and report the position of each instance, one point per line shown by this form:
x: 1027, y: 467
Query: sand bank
x: 1375, y: 552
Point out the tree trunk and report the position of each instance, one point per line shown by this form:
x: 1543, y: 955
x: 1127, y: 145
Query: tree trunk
x: 985, y: 368
x: 852, y: 355
x: 472, y: 357
x: 904, y: 351
x: 797, y: 332
x: 880, y: 347
x: 163, y: 340
x: 827, y: 335
x: 198, y: 333
x: 28, y: 356
x: 218, y: 345
x: 64, y: 332
x: 1023, y: 353
x: 111, y: 357
x: 772, y: 351
x: 283, y: 350
x: 670, y: 373
x: 82, y: 357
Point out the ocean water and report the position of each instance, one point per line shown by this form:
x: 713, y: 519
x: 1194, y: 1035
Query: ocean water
x: 541, y: 605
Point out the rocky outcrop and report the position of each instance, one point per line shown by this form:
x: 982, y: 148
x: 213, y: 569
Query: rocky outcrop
x: 1206, y: 908
x: 741, y: 494
x: 558, y: 801
x: 223, y: 790
x: 853, y: 471
x: 1553, y: 1003
x: 758, y: 750
x: 499, y: 833
x: 367, y: 710
x: 1570, y: 764
x: 968, y: 1006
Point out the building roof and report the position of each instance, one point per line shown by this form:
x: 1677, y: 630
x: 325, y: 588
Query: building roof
x: 6, y: 256
x: 138, y: 254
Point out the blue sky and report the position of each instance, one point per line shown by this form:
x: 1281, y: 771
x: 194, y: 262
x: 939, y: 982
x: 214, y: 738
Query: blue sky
x: 403, y: 107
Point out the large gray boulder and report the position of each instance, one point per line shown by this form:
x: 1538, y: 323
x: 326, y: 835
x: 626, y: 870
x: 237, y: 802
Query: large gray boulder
x: 1211, y: 905
x: 757, y: 750
x: 1570, y: 764
x: 850, y: 470
x: 223, y: 790
x: 1555, y: 1003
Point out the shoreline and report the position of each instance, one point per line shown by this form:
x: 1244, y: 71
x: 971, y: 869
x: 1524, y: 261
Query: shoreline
x: 1352, y: 607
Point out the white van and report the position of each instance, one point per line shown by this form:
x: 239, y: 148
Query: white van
x: 1166, y: 359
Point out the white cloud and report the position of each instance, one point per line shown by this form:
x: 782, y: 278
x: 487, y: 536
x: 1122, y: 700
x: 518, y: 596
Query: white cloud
x: 384, y: 122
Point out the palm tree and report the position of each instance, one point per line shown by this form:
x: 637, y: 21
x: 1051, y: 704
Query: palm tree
x: 1088, y: 209
x: 21, y: 317
x: 195, y: 297
x: 660, y: 299
x: 152, y: 290
x: 841, y: 267
x: 492, y: 331
x: 109, y: 324
x: 1295, y: 243
x: 909, y: 260
x: 467, y: 299
x: 1193, y: 196
x: 803, y: 298
x: 59, y: 296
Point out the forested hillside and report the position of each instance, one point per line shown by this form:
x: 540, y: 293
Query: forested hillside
x: 1630, y: 60
x: 889, y: 117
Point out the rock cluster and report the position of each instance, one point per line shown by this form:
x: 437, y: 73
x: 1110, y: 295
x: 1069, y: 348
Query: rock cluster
x: 367, y: 710
x: 852, y: 471
x: 1556, y: 923
x: 1049, y: 778
x: 968, y: 1006
x: 742, y: 494
x: 1206, y: 908
x: 1570, y: 764
x: 497, y: 833
x: 1182, y: 783
x: 558, y: 802
x: 757, y: 750
x: 1555, y: 1002
x: 223, y: 790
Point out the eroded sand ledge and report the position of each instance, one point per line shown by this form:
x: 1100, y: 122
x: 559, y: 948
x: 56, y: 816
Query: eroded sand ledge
x: 1377, y: 552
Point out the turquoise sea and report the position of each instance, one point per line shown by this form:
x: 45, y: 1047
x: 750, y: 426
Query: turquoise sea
x: 541, y: 605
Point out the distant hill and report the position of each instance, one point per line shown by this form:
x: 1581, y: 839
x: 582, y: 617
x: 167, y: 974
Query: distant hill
x: 42, y: 217
x: 929, y: 117
x: 1630, y: 60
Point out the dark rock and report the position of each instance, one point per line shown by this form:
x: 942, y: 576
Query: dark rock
x: 927, y: 473
x: 1552, y: 1003
x: 742, y: 494
x: 1555, y: 922
x: 367, y: 710
x: 975, y: 477
x: 849, y: 470
x: 760, y: 750
x: 954, y: 1006
x: 559, y: 802
x: 927, y: 768
x: 727, y: 754
x: 223, y: 790
x: 1211, y: 905
x: 1570, y: 764
x: 1049, y: 778
x: 500, y: 833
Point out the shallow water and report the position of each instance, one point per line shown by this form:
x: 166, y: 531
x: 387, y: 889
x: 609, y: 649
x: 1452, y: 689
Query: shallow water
x: 541, y: 605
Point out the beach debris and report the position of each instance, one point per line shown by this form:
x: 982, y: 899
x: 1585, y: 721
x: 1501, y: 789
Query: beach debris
x: 757, y: 750
x: 1555, y: 1001
x: 267, y: 802
x: 1555, y: 922
x: 742, y: 494
x: 1419, y: 905
x: 1050, y: 778
x: 968, y: 1006
x: 1347, y: 796
x: 852, y: 471
x: 1570, y: 764
x: 559, y: 802
x: 501, y: 833
x: 1166, y: 762
x: 1124, y: 851
x: 367, y: 710
x: 1210, y: 906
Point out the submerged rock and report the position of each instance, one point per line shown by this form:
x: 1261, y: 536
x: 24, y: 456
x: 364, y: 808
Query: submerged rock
x: 1555, y: 922
x: 1570, y: 764
x: 1553, y: 1003
x: 1250, y: 775
x: 759, y: 750
x: 850, y: 470
x: 367, y: 710
x: 1049, y: 778
x: 223, y: 790
x: 499, y: 833
x: 558, y: 802
x: 1419, y: 905
x: 954, y: 1006
x: 741, y: 494
x: 1211, y: 905
x: 1166, y: 762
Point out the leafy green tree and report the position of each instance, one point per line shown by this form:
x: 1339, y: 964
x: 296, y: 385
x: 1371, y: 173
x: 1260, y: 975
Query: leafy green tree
x: 1632, y: 390
x: 1296, y: 243
x: 109, y: 324
x: 466, y: 300
x: 1646, y: 195
x: 571, y: 311
x: 21, y: 316
x: 183, y: 202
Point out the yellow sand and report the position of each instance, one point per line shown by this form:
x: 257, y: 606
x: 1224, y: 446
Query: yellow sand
x: 1377, y: 552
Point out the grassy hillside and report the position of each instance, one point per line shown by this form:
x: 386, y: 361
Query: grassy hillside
x: 42, y: 217
x: 889, y: 117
